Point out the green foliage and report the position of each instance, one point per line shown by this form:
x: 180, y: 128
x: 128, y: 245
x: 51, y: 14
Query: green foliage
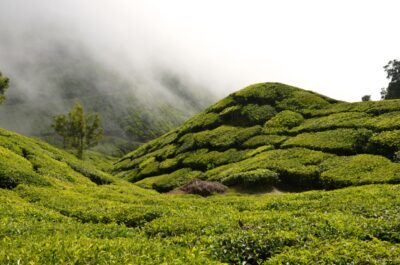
x: 296, y: 166
x: 300, y: 100
x: 222, y: 104
x: 334, y: 121
x: 386, y: 121
x: 286, y: 119
x: 264, y: 140
x: 369, y: 107
x: 358, y: 170
x: 392, y: 70
x: 4, y: 84
x: 340, y: 141
x: 386, y: 143
x: 219, y: 138
x: 167, y: 182
x: 28, y: 161
x: 256, y: 114
x: 202, y: 159
x: 78, y: 129
x: 263, y: 177
x: 15, y: 170
x: 366, y: 98
x: 264, y: 92
x: 258, y: 150
x: 200, y: 122
x: 78, y: 222
x: 249, y: 114
x: 272, y: 126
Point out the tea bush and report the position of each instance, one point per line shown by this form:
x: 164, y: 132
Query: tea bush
x: 358, y: 170
x: 286, y: 119
x: 340, y: 141
x: 263, y: 177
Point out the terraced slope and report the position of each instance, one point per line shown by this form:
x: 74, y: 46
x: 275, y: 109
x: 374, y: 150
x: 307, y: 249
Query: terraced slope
x: 55, y: 209
x: 24, y: 160
x: 271, y: 134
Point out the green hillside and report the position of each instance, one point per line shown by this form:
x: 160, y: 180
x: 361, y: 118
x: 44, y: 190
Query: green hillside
x: 271, y: 134
x: 55, y: 209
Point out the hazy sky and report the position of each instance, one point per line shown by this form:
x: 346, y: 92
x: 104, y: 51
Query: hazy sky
x: 337, y: 48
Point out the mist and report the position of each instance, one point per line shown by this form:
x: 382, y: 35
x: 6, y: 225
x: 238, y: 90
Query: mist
x: 208, y: 48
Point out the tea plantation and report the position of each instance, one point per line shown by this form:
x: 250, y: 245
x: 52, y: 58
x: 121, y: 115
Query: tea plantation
x: 302, y: 139
x: 56, y: 209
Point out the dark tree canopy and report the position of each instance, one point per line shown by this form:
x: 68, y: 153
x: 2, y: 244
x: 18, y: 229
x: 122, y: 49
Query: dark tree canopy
x: 392, y: 70
x: 78, y: 130
x: 4, y: 82
x: 366, y: 98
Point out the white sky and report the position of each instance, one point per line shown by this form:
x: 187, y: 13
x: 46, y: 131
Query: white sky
x: 336, y: 48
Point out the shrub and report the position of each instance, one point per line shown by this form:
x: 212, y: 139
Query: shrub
x: 256, y: 151
x: 301, y: 99
x: 96, y: 176
x: 203, y: 188
x: 252, y: 247
x: 201, y: 121
x: 387, y: 121
x: 223, y: 137
x: 221, y: 105
x: 264, y: 93
x: 252, y: 178
x: 340, y: 141
x: 363, y: 169
x: 296, y: 166
x: 286, y: 119
x: 259, y: 140
x: 258, y: 114
x: 334, y: 121
x: 386, y: 143
x: 15, y: 170
x: 167, y: 182
x: 369, y: 107
x: 201, y: 158
x: 341, y: 251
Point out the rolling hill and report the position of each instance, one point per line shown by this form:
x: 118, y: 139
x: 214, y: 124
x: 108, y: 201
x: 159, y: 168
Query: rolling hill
x: 274, y: 135
x: 55, y: 209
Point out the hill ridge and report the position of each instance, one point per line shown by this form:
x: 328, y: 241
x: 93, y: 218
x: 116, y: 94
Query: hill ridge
x: 258, y: 127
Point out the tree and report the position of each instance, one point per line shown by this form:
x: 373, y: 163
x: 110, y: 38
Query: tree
x: 366, y: 98
x: 392, y: 70
x: 4, y: 82
x: 78, y: 130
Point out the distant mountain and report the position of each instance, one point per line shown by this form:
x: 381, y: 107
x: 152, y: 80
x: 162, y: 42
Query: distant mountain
x: 132, y: 108
x: 271, y: 134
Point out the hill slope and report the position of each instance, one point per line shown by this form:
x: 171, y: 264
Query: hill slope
x: 132, y: 106
x: 55, y: 209
x: 274, y: 134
